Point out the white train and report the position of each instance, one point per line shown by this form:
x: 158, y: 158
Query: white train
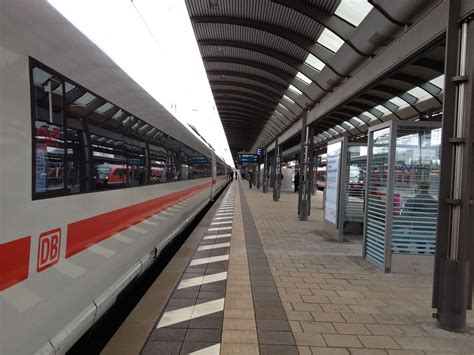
x: 96, y: 178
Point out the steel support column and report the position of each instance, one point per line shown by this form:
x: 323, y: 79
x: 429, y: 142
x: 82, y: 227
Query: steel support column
x: 265, y: 172
x: 310, y: 180
x: 258, y: 173
x: 302, y: 196
x: 277, y: 172
x: 452, y: 288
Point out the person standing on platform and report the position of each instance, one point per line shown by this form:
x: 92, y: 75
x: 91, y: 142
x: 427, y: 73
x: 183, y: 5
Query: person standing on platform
x: 236, y: 175
x: 296, y: 181
x: 250, y: 177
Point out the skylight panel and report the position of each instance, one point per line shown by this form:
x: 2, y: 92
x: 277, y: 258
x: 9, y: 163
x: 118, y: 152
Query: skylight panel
x: 418, y: 92
x: 281, y: 106
x: 330, y: 40
x: 288, y: 99
x: 105, y: 107
x: 399, y: 102
x: 85, y: 99
x: 68, y: 86
x: 314, y: 62
x: 303, y: 78
x: 353, y: 11
x: 358, y: 120
x: 40, y: 76
x: 382, y: 109
x: 117, y: 114
x: 439, y: 81
x: 294, y: 89
x: 370, y: 115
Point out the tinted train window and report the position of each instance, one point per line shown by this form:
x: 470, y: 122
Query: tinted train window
x: 48, y: 116
x: 83, y: 143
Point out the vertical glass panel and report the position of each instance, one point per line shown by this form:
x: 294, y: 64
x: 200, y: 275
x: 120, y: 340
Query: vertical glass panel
x: 353, y: 11
x: 330, y: 40
x: 377, y: 186
x: 417, y: 162
x: 48, y: 113
x: 136, y: 154
x: 158, y: 161
x: 354, y: 193
x: 75, y: 156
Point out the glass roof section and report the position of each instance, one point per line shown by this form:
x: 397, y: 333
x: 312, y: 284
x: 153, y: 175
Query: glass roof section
x: 281, y: 106
x: 40, y: 76
x: 314, y: 62
x: 85, y: 99
x: 295, y: 90
x: 288, y: 99
x: 358, y: 120
x: 303, y: 78
x: 330, y: 40
x: 399, y: 102
x: 418, y: 92
x: 117, y: 114
x: 368, y: 114
x: 439, y: 81
x: 353, y: 11
x: 382, y: 109
x: 105, y: 107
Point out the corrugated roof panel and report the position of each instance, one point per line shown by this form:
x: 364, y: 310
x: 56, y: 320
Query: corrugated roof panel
x: 217, y: 31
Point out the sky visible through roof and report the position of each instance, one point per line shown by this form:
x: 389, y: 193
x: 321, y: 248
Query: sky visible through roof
x: 153, y: 41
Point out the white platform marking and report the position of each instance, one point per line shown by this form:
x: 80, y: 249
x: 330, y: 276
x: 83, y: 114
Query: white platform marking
x: 191, y: 312
x: 202, y: 280
x: 217, y: 236
x: 214, y: 246
x: 211, y: 259
x: 210, y: 350
x: 160, y: 217
x: 221, y: 222
x: 219, y: 229
x: 219, y: 218
x: 123, y: 238
x: 138, y: 230
x: 150, y: 223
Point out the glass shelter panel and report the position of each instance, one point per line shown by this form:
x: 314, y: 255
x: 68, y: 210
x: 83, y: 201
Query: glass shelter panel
x: 416, y: 182
x: 332, y: 181
x: 354, y: 187
x: 377, y: 188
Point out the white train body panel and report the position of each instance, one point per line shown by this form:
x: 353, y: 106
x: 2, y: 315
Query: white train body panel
x: 53, y: 307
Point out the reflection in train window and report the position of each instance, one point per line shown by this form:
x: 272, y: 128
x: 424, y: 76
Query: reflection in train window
x: 83, y: 142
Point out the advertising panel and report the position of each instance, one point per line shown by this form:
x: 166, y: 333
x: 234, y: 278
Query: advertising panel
x: 332, y: 181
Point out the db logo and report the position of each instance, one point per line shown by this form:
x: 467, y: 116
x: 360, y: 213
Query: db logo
x: 49, y: 246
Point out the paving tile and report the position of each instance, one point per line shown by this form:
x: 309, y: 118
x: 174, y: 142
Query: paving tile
x: 378, y: 342
x: 384, y: 329
x: 339, y: 340
x: 330, y: 351
x: 239, y: 349
x: 168, y: 334
x: 204, y: 335
x: 297, y: 315
x: 309, y: 339
x: 351, y: 328
x: 206, y: 323
x: 191, y: 346
x: 239, y: 313
x: 274, y: 325
x: 358, y: 318
x: 239, y: 336
x: 415, y: 343
x: 162, y: 348
x: 275, y: 337
x: 327, y: 317
x: 239, y: 324
x: 266, y: 349
x: 318, y: 327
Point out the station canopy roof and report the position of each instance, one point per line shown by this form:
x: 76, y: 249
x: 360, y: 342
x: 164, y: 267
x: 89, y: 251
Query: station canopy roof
x: 268, y: 61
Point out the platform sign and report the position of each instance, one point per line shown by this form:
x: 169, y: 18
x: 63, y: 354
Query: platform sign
x: 260, y: 152
x: 247, y: 158
x: 332, y: 181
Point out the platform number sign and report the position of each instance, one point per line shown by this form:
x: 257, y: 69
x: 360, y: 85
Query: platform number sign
x: 49, y: 247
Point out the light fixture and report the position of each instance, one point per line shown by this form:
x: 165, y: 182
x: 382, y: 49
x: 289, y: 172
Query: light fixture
x: 214, y: 4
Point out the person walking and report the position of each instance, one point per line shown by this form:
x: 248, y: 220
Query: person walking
x: 250, y: 177
x: 236, y: 175
x: 296, y: 181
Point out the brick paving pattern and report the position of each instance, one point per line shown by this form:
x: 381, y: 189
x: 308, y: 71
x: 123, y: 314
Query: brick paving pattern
x: 334, y: 300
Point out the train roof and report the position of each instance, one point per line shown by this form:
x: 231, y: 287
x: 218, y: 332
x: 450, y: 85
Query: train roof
x: 36, y: 29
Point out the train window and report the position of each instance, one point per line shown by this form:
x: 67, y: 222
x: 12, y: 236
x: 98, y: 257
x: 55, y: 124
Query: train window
x: 82, y: 142
x: 48, y: 116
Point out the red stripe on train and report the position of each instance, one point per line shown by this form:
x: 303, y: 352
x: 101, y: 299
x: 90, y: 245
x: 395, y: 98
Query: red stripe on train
x: 87, y: 232
x: 14, y: 262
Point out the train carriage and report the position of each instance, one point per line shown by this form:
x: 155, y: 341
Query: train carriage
x: 97, y: 177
